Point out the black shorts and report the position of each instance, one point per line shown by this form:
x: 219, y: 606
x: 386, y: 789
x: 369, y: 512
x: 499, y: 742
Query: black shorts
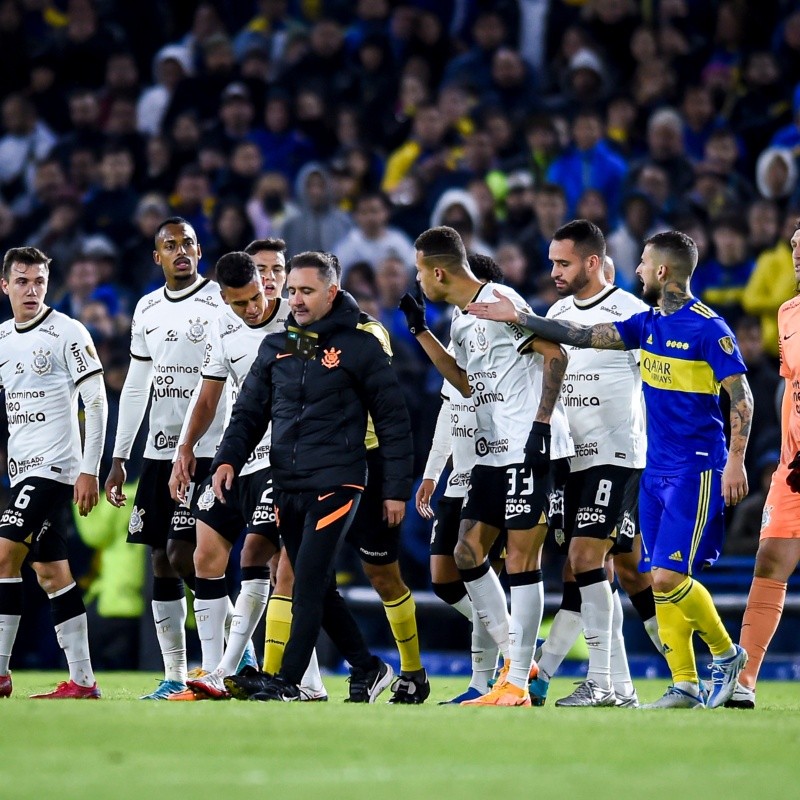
x: 506, y: 497
x: 446, y: 523
x: 248, y: 507
x: 595, y: 500
x: 628, y: 521
x: 156, y: 517
x: 374, y: 540
x: 34, y: 505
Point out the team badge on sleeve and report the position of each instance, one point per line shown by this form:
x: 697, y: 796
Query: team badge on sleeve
x: 206, y: 500
x: 726, y: 343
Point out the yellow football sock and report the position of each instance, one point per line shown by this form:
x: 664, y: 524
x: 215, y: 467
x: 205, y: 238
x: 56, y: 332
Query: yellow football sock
x: 279, y: 623
x: 402, y: 616
x: 676, y: 640
x: 693, y: 599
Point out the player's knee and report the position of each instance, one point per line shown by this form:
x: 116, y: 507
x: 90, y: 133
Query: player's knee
x: 257, y: 551
x: 386, y: 580
x: 465, y: 556
x: 181, y: 557
x: 665, y: 580
x: 771, y: 562
x: 209, y: 562
x: 631, y: 580
x: 444, y: 570
x: 53, y: 576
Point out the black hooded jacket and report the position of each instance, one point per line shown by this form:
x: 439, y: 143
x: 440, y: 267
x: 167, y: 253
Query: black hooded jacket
x: 318, y: 408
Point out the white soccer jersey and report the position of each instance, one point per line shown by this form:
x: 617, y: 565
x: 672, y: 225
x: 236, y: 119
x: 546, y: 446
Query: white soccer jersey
x: 602, y: 389
x: 506, y: 387
x: 41, y: 367
x: 462, y: 439
x: 232, y: 348
x: 173, y: 333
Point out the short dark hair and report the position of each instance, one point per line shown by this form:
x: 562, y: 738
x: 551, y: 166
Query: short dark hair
x: 588, y: 238
x: 485, y: 268
x: 172, y: 221
x: 678, y: 249
x: 236, y: 269
x: 373, y: 195
x: 325, y: 263
x: 257, y: 245
x: 29, y: 256
x: 442, y: 242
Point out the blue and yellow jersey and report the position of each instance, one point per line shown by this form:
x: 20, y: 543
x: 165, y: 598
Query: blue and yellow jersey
x: 684, y: 358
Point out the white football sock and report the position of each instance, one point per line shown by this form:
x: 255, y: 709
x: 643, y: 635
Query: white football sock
x: 463, y: 606
x: 596, y: 612
x: 170, y: 619
x: 209, y: 614
x: 489, y: 600
x: 484, y: 655
x: 620, y: 672
x: 564, y: 632
x: 527, y: 603
x: 73, y: 639
x: 249, y: 608
x: 651, y: 626
x: 9, y: 625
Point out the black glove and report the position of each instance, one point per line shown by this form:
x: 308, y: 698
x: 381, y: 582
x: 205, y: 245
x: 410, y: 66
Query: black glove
x: 793, y: 478
x: 413, y: 306
x: 537, y: 449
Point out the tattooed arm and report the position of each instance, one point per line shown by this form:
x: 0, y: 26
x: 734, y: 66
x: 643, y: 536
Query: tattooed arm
x: 555, y: 365
x: 734, y: 477
x: 603, y: 336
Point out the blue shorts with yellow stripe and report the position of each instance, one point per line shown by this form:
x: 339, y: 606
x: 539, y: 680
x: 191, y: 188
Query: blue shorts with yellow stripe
x: 682, y: 518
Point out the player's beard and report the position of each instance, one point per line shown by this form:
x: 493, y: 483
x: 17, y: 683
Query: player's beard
x: 651, y: 295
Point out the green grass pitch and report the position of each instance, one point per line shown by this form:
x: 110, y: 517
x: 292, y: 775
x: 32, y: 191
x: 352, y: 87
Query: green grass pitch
x: 122, y: 748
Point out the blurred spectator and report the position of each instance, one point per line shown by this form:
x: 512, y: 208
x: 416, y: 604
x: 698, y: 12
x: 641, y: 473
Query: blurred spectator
x: 111, y: 205
x: 238, y: 181
x: 516, y: 270
x: 489, y: 32
x: 772, y: 283
x: 373, y: 239
x: 459, y: 210
x: 763, y: 225
x: 360, y: 280
x: 425, y: 150
x: 318, y: 225
x: 171, y: 64
x: 721, y: 281
x: 230, y: 230
x: 194, y: 201
x: 512, y: 85
x: 410, y: 212
x: 550, y: 207
x: 699, y: 119
x: 140, y: 273
x: 27, y: 139
x: 85, y: 130
x: 234, y: 118
x: 592, y: 205
x: 776, y: 174
x: 722, y: 155
x: 589, y: 163
x: 270, y: 207
x: 61, y: 236
x: 626, y: 242
x: 764, y: 381
x: 283, y: 148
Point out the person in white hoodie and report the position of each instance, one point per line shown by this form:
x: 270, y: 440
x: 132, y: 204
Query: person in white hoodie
x: 457, y: 209
x: 171, y: 64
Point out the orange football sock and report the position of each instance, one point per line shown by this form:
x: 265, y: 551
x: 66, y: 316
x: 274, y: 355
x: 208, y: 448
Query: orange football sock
x: 761, y: 618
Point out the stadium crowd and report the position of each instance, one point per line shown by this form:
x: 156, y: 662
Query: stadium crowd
x: 351, y: 127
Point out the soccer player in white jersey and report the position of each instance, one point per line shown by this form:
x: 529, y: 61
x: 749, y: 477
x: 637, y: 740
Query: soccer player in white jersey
x: 169, y: 334
x: 455, y: 436
x: 231, y: 349
x: 602, y: 394
x: 46, y: 360
x: 516, y: 397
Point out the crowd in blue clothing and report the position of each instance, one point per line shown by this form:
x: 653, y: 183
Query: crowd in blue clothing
x: 353, y: 126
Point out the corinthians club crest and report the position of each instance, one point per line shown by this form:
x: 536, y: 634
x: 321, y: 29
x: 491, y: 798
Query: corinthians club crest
x: 197, y: 330
x: 136, y: 522
x: 482, y: 341
x: 206, y: 500
x: 41, y: 364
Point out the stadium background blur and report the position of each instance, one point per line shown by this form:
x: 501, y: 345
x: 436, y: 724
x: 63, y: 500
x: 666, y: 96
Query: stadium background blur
x: 354, y: 126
